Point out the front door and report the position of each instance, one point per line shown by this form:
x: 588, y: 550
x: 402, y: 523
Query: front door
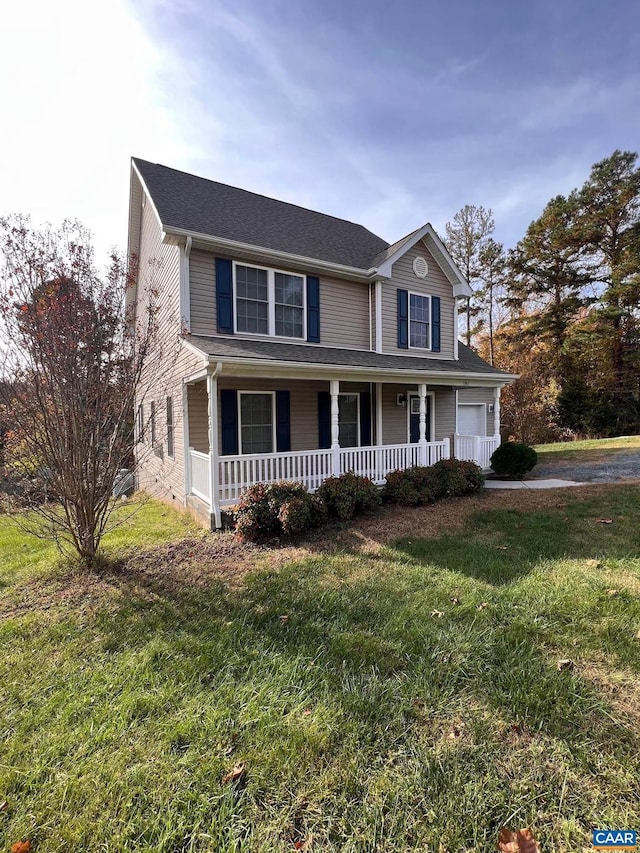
x: 414, y: 418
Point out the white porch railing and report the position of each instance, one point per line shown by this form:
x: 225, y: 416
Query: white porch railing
x: 200, y: 485
x: 312, y: 467
x: 377, y: 462
x: 237, y: 473
x: 476, y: 448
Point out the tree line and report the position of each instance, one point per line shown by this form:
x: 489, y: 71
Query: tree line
x: 562, y: 307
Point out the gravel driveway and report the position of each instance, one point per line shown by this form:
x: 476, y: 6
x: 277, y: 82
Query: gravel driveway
x: 610, y: 467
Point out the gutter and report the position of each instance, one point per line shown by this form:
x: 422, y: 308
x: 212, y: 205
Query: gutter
x: 251, y: 248
x: 402, y: 373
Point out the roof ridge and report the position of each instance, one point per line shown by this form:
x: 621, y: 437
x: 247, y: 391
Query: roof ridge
x: 261, y: 195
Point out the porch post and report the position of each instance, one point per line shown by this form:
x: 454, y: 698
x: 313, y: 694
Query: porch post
x: 422, y: 442
x: 335, y: 426
x: 214, y: 490
x: 496, y: 413
x: 378, y: 413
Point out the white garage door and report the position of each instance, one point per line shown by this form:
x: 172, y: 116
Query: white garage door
x: 471, y: 420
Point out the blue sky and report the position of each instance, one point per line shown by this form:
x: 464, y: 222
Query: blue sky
x: 389, y: 114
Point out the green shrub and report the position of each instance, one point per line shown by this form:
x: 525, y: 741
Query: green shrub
x: 412, y: 486
x: 457, y: 477
x: 513, y: 460
x: 423, y: 485
x: 348, y: 495
x: 277, y: 509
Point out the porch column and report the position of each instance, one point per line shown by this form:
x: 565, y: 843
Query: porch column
x: 422, y: 442
x: 214, y: 486
x: 335, y: 426
x: 496, y: 412
x: 378, y: 413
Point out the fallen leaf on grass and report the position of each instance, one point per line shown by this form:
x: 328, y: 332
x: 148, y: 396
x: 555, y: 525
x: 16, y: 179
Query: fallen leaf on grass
x: 235, y: 774
x: 638, y: 636
x: 612, y: 592
x: 284, y: 618
x: 455, y: 600
x: 306, y: 712
x: 437, y: 614
x: 303, y: 845
x: 564, y: 664
x: 502, y: 547
x: 21, y: 847
x: 520, y: 841
x: 483, y: 605
x: 604, y: 521
x: 593, y: 564
x: 4, y: 806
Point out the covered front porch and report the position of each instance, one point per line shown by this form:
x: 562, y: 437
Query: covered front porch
x: 301, y: 426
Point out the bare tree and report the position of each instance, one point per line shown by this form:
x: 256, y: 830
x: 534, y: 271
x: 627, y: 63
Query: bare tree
x: 466, y: 235
x: 74, y: 350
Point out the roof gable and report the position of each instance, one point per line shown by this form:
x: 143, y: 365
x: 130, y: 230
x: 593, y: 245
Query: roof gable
x: 388, y: 257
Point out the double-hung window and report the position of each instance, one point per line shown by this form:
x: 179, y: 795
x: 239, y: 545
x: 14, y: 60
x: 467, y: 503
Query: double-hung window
x: 419, y: 321
x: 252, y: 300
x: 269, y: 302
x: 256, y: 418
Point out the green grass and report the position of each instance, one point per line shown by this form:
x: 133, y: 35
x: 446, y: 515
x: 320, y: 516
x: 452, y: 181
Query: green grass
x: 365, y: 718
x: 575, y: 448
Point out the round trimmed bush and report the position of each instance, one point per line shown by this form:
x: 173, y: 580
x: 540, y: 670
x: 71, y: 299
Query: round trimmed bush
x: 277, y: 509
x: 348, y: 495
x: 512, y: 459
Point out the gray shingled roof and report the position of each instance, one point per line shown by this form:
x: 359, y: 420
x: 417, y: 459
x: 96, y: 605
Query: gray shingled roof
x: 196, y: 204
x: 237, y: 348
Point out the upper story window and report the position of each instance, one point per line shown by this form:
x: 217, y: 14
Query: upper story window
x: 269, y: 302
x: 419, y: 321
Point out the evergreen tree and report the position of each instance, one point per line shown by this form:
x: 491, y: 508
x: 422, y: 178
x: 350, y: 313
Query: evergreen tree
x: 467, y: 234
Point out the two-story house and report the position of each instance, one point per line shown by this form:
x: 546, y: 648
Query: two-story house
x: 295, y: 345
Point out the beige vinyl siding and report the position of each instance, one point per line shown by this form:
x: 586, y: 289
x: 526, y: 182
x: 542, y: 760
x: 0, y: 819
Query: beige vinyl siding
x: 344, y: 305
x: 202, y: 293
x: 479, y: 396
x: 344, y: 314
x: 159, y: 271
x: 395, y: 419
x: 198, y: 402
x: 435, y: 284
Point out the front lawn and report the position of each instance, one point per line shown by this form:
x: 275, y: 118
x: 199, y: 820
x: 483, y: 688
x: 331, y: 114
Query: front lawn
x: 575, y: 449
x: 383, y: 693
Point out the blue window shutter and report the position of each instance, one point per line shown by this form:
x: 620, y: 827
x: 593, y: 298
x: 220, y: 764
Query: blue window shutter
x: 229, y: 422
x: 435, y: 323
x: 403, y: 319
x: 283, y: 422
x: 224, y: 295
x: 313, y: 309
x: 324, y: 420
x: 365, y: 419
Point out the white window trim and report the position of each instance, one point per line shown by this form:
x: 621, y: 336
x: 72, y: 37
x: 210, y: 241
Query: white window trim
x: 171, y: 432
x: 357, y: 396
x: 272, y: 394
x: 432, y: 414
x: 423, y: 296
x: 271, y: 302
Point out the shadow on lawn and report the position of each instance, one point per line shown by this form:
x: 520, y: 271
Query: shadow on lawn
x: 374, y: 635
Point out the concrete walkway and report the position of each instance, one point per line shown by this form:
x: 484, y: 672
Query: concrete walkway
x: 530, y: 484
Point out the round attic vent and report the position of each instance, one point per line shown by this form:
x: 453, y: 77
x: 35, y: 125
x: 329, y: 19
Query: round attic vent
x: 420, y: 267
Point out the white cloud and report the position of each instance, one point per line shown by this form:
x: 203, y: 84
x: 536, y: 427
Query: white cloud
x: 82, y: 93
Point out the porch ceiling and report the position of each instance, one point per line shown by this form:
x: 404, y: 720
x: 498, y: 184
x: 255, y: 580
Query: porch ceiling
x: 239, y: 357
